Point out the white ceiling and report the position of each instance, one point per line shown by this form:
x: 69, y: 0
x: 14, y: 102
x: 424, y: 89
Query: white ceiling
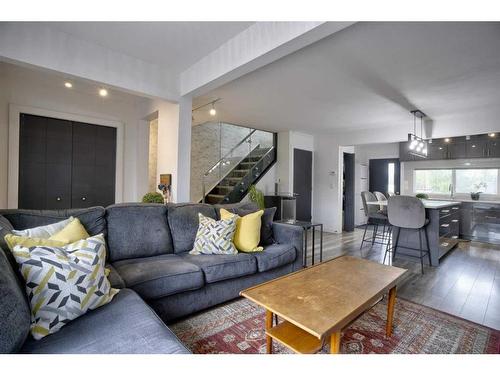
x: 371, y: 75
x: 174, y: 45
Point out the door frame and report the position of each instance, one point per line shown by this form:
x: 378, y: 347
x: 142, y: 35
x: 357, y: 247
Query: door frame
x: 15, y: 111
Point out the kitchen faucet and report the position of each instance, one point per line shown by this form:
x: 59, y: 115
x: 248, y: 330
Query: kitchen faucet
x: 450, y: 188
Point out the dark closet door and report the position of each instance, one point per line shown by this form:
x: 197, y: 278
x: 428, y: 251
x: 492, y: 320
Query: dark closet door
x: 93, y: 172
x: 65, y: 164
x: 44, y: 163
x: 302, y: 183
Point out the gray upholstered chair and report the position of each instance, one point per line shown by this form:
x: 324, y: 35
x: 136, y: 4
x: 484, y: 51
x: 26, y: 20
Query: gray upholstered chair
x: 375, y: 217
x: 408, y: 213
x: 381, y: 198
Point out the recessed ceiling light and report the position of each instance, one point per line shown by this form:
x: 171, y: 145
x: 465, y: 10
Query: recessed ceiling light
x: 103, y: 92
x: 492, y: 135
x: 447, y: 140
x: 467, y: 163
x: 68, y: 85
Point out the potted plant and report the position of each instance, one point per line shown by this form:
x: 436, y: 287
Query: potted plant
x: 256, y: 196
x: 422, y: 196
x: 475, y: 195
x: 153, y: 198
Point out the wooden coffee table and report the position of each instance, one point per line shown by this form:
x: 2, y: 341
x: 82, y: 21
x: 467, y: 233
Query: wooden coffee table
x: 317, y: 303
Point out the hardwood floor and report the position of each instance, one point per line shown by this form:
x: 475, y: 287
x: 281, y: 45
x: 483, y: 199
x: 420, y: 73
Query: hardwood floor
x: 466, y: 283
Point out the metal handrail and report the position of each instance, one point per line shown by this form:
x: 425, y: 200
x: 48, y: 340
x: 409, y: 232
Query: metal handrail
x: 211, y: 169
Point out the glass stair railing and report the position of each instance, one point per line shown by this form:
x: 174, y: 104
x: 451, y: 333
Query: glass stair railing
x: 228, y: 180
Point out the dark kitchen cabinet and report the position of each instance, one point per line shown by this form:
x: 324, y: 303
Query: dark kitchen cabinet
x: 437, y: 151
x: 480, y: 222
x: 476, y: 148
x: 65, y: 164
x: 493, y: 149
x: 457, y: 149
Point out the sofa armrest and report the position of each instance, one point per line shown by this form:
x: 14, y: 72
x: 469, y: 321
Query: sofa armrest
x: 284, y: 234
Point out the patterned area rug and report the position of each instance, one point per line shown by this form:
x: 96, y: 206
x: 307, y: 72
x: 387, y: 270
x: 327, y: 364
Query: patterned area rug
x: 238, y: 327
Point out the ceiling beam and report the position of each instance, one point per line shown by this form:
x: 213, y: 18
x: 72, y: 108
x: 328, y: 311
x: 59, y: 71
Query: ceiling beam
x: 260, y: 44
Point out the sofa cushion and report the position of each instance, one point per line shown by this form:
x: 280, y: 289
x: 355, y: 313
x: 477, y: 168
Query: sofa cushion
x: 137, y: 230
x: 92, y: 218
x: 235, y: 207
x: 275, y: 256
x: 14, y: 309
x: 183, y: 222
x: 5, y: 229
x: 223, y: 267
x: 114, y: 277
x: 159, y: 276
x: 126, y: 325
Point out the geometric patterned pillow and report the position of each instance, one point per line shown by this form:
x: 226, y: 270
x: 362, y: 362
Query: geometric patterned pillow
x: 62, y: 283
x: 215, y: 237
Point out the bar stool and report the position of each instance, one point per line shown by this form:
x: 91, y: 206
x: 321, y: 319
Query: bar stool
x: 375, y: 217
x: 405, y: 212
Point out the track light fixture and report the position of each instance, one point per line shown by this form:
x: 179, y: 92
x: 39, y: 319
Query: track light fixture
x: 212, y: 111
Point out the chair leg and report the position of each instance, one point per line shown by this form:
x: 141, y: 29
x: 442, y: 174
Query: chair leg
x: 428, y: 247
x: 375, y: 229
x: 363, y: 240
x: 395, y: 247
x: 421, y: 250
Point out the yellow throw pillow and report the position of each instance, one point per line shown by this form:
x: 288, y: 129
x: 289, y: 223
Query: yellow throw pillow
x: 72, y: 232
x: 247, y: 235
x: 13, y: 240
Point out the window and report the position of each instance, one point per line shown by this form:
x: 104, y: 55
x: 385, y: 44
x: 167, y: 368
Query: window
x: 464, y: 181
x: 433, y: 181
x: 472, y: 180
x: 390, y: 174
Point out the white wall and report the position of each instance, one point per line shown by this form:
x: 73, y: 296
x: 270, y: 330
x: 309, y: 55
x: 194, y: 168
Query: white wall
x: 30, y: 88
x: 43, y: 90
x: 174, y: 143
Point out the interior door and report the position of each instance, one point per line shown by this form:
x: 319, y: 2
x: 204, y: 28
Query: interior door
x: 348, y: 194
x: 93, y: 175
x: 384, y: 175
x: 65, y: 164
x: 44, y: 163
x: 302, y: 183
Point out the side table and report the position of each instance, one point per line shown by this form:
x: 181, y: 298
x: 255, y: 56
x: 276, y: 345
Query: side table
x: 306, y: 226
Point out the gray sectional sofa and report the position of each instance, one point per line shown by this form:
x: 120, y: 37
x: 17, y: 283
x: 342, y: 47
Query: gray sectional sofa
x: 148, y: 247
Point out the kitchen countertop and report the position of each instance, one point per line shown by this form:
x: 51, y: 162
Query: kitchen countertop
x: 437, y: 204
x: 428, y: 203
x: 465, y: 200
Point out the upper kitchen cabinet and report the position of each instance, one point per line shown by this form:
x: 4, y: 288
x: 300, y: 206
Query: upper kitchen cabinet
x: 483, y: 146
x: 476, y: 146
x: 493, y: 148
x: 447, y: 148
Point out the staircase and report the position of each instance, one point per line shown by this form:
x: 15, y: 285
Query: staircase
x: 237, y: 174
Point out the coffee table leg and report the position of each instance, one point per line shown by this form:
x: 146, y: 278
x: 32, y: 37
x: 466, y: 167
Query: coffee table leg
x: 335, y: 343
x: 390, y: 311
x: 269, y: 325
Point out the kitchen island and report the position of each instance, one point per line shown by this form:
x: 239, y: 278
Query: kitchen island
x: 442, y: 230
